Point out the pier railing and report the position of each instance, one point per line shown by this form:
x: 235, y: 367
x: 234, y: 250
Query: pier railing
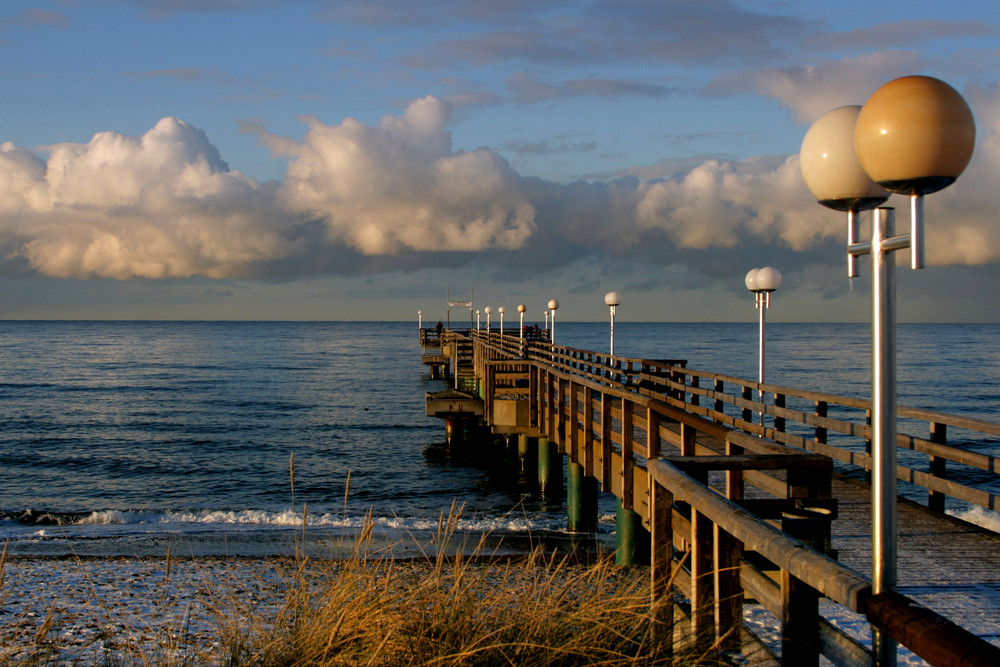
x: 933, y: 445
x: 734, y: 507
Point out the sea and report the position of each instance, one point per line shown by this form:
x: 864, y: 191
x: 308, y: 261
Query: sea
x: 262, y: 438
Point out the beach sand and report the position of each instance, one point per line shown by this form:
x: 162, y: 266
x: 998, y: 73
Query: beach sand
x: 98, y: 608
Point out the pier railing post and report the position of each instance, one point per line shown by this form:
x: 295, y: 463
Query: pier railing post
x: 821, y: 410
x: 661, y: 503
x: 779, y: 422
x: 728, y: 590
x: 799, y: 622
x: 937, y: 466
x: 702, y: 581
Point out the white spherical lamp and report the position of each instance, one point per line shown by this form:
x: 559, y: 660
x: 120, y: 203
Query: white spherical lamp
x: 830, y: 165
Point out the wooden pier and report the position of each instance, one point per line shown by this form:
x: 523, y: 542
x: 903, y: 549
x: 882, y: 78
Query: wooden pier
x: 737, y: 499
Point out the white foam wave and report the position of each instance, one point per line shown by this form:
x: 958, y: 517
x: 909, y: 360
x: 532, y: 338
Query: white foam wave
x: 292, y: 518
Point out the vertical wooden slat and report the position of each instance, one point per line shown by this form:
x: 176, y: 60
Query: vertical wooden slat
x: 720, y: 388
x: 562, y: 419
x: 734, y: 478
x: 573, y: 437
x: 588, y: 432
x: 702, y: 580
x: 606, y: 441
x: 821, y: 410
x: 779, y: 422
x: 728, y: 591
x: 533, y: 395
x: 799, y: 622
x: 652, y: 433
x: 661, y: 562
x: 628, y: 456
x: 937, y: 466
x: 747, y: 396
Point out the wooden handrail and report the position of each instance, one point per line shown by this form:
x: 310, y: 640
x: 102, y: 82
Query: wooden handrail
x: 814, y: 430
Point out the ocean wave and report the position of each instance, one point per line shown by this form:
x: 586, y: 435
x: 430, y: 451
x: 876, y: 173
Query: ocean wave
x: 282, y: 518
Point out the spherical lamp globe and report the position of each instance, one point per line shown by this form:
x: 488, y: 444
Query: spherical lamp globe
x: 768, y: 279
x: 830, y: 165
x: 915, y: 135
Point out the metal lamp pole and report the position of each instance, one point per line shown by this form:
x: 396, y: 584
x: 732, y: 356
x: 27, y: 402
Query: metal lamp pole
x: 762, y: 282
x: 501, y: 311
x: 488, y: 310
x: 915, y: 135
x: 553, y: 306
x: 520, y: 309
x: 613, y: 299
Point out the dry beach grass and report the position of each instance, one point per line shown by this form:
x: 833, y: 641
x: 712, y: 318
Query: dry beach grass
x: 366, y: 609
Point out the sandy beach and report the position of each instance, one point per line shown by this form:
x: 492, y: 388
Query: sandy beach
x: 80, y: 611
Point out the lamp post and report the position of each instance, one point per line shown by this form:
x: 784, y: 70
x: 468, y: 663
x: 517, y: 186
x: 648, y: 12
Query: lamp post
x: 420, y: 319
x: 915, y: 135
x: 553, y: 306
x: 762, y: 282
x: 521, y: 308
x: 488, y: 310
x: 477, y: 319
x: 501, y: 311
x: 546, y: 318
x: 613, y: 299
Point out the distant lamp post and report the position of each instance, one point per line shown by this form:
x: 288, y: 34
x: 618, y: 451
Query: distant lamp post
x: 477, y: 319
x: 915, y: 135
x: 553, y: 306
x: 613, y: 299
x: 546, y: 318
x: 762, y: 282
x: 521, y: 308
x: 420, y: 319
x: 501, y: 311
x: 488, y: 310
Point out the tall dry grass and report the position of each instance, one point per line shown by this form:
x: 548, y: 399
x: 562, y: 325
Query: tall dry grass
x: 454, y: 609
x: 454, y: 606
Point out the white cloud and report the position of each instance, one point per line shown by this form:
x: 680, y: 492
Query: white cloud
x: 399, y: 186
x: 395, y: 195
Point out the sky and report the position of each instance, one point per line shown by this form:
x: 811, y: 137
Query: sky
x: 363, y: 160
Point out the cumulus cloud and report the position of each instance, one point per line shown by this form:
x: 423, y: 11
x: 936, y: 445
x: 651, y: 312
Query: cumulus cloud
x: 160, y: 205
x: 396, y: 195
x: 399, y: 185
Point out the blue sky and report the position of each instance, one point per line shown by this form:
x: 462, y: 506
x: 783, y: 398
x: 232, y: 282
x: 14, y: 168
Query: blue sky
x: 259, y: 159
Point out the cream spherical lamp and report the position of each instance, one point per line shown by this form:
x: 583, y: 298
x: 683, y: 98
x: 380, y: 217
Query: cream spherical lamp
x: 830, y: 165
x: 915, y: 135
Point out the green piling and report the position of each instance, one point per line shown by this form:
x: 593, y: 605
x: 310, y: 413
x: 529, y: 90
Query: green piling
x: 581, y: 500
x: 549, y: 469
x: 631, y: 539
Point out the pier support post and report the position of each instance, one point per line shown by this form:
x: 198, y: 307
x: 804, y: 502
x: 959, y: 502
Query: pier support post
x: 631, y: 539
x: 549, y: 469
x: 581, y: 500
x: 527, y: 454
x: 454, y: 430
